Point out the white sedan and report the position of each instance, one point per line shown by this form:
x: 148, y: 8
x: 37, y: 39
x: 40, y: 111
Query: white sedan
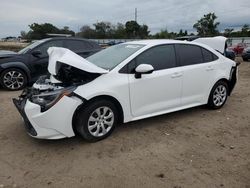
x: 123, y: 83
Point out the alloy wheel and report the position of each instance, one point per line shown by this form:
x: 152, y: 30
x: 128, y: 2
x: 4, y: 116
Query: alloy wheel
x: 13, y: 80
x: 219, y: 95
x: 101, y: 121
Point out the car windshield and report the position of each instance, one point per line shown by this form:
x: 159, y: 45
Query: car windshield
x: 31, y: 46
x: 112, y: 56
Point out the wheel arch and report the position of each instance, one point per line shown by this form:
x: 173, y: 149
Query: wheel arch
x: 17, y: 65
x: 100, y: 97
x: 218, y: 80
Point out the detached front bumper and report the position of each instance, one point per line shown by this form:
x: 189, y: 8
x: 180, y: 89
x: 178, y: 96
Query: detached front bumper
x: 233, y: 79
x: 55, y: 123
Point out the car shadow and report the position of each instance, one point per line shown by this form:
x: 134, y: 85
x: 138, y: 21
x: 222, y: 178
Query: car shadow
x: 122, y: 130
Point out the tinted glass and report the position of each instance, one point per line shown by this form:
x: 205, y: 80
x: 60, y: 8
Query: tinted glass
x: 44, y: 47
x: 207, y: 55
x: 214, y: 57
x: 189, y: 54
x: 114, y: 55
x: 31, y: 46
x: 160, y: 57
x: 78, y: 46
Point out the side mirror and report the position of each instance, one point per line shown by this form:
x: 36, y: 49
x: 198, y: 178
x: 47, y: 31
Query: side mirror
x: 143, y: 69
x: 36, y: 53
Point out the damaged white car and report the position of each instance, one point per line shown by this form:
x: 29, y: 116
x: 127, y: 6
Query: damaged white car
x: 123, y: 83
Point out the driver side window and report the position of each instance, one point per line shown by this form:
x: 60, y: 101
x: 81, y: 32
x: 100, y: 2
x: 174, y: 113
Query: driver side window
x: 44, y: 47
x: 160, y: 57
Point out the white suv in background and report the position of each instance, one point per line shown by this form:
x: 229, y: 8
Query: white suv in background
x: 123, y: 83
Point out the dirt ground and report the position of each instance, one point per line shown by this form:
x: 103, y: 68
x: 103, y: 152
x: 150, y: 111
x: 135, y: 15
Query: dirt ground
x: 13, y: 46
x: 191, y: 148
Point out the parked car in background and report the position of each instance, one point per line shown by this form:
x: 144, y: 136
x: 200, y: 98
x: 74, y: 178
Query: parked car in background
x: 229, y: 53
x: 24, y: 67
x: 246, y: 54
x: 238, y: 48
x: 123, y: 83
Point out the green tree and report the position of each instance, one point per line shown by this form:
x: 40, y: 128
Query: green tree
x: 207, y: 26
x: 180, y: 33
x: 164, y: 34
x: 228, y: 32
x: 120, y: 31
x: 40, y: 31
x: 245, y: 30
x: 132, y: 29
x: 66, y: 30
x: 143, y: 31
x: 185, y: 33
x: 102, y: 29
x: 23, y: 34
x: 87, y: 32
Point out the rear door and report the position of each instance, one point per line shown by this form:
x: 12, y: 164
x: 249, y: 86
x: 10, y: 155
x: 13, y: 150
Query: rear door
x: 160, y: 90
x: 198, y: 65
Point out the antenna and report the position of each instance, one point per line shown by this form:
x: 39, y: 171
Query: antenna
x: 136, y: 14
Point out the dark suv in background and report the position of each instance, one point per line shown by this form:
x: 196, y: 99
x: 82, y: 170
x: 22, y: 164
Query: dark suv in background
x: 24, y: 67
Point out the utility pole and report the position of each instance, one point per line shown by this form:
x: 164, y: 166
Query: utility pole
x: 135, y: 14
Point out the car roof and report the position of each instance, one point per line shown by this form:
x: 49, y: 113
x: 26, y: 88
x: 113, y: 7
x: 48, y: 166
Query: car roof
x: 93, y: 43
x: 157, y: 42
x: 68, y: 38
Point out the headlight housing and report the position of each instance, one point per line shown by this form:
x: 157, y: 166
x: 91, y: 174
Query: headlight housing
x: 48, y: 99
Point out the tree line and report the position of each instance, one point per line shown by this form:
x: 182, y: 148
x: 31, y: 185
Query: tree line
x: 206, y: 26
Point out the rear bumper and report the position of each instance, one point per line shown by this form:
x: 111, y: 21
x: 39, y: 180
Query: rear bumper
x: 55, y: 123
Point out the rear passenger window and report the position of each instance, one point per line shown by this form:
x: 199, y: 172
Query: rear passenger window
x: 208, y: 56
x: 160, y: 57
x: 78, y: 46
x: 189, y: 54
x: 45, y: 46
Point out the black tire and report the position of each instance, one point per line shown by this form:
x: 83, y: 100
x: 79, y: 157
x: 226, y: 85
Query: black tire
x: 212, y: 97
x: 82, y: 119
x: 16, y: 82
x: 245, y: 59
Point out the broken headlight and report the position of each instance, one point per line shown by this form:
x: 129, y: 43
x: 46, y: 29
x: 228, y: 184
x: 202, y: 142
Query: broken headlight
x: 49, y: 98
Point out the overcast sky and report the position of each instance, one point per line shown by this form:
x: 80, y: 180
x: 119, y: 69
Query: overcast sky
x: 16, y: 15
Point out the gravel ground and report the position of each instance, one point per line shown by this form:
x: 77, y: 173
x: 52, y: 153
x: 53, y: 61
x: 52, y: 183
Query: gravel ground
x: 191, y: 148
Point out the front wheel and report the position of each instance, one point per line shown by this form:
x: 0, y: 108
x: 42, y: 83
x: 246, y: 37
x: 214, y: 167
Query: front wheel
x: 97, y: 120
x: 218, y: 95
x: 13, y: 79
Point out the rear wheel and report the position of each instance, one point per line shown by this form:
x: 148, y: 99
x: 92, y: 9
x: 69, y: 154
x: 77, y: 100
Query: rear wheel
x: 13, y: 79
x: 245, y: 59
x: 97, y: 120
x: 218, y: 95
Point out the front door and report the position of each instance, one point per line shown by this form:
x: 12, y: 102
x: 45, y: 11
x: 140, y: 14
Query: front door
x: 160, y: 90
x: 40, y: 63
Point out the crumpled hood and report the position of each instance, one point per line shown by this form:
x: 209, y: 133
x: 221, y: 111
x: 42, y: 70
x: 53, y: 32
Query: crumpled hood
x: 5, y: 53
x: 217, y: 43
x: 62, y: 55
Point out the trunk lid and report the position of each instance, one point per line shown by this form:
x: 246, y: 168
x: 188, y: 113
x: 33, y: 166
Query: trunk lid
x: 217, y: 43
